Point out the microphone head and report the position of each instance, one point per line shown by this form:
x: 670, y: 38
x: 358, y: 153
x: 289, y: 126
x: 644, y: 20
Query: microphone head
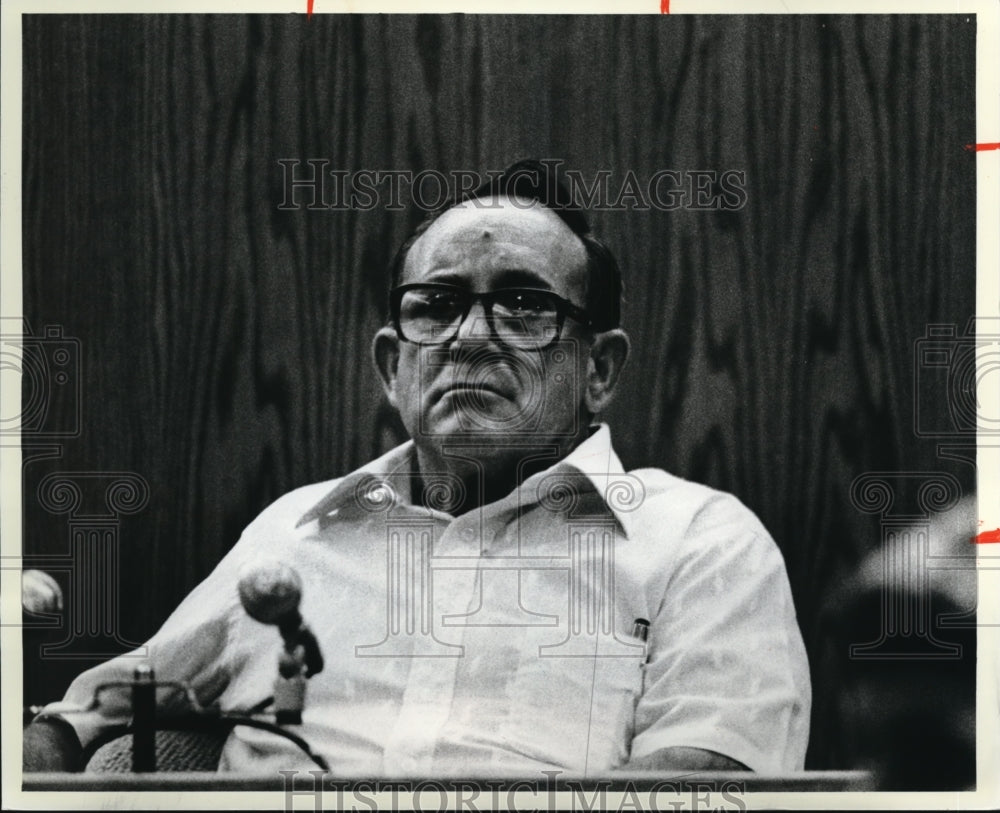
x: 269, y: 591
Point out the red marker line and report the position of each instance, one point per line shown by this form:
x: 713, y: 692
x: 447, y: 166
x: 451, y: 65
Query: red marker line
x: 664, y: 6
x: 987, y: 536
x: 309, y: 9
x: 983, y: 147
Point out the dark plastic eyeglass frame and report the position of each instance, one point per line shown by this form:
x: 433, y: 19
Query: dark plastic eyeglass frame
x: 563, y: 308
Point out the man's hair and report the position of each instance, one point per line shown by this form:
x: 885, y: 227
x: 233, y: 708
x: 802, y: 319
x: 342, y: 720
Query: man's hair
x: 538, y: 181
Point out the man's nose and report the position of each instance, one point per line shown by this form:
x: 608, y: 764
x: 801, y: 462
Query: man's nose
x: 475, y: 326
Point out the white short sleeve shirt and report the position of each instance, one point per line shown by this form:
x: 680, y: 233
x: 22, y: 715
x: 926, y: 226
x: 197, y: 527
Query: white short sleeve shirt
x: 502, y: 640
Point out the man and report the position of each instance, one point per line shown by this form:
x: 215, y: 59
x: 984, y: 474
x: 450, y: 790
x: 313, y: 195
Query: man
x: 498, y: 595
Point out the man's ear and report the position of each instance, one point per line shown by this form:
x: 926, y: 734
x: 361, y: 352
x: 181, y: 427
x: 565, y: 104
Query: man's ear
x: 385, y: 349
x: 608, y: 355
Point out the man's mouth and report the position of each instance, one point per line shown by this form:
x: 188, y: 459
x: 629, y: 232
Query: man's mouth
x: 475, y: 389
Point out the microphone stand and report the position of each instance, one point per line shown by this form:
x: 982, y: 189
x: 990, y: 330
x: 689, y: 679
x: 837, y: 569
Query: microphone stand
x: 143, y: 720
x: 300, y: 659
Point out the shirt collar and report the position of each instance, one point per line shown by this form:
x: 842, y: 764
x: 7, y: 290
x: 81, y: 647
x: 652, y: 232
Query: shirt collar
x: 593, y: 464
x: 387, y: 477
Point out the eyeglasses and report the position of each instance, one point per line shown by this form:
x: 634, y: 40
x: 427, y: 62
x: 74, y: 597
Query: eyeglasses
x: 528, y: 318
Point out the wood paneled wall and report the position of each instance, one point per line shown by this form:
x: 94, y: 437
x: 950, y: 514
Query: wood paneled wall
x: 225, y: 342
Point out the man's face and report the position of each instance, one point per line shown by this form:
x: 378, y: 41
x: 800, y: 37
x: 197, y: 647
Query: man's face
x: 475, y: 387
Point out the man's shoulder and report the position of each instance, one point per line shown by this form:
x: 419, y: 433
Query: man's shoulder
x: 288, y: 509
x: 693, y: 509
x: 662, y: 488
x: 658, y: 482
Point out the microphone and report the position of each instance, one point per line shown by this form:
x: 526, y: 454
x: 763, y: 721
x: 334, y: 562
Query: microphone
x: 270, y: 592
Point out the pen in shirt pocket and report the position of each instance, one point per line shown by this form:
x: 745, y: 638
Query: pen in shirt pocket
x: 640, y: 630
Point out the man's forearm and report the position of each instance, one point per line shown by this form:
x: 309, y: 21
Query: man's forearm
x: 51, y: 745
x: 684, y: 759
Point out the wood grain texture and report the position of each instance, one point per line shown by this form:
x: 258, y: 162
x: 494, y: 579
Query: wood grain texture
x: 226, y: 342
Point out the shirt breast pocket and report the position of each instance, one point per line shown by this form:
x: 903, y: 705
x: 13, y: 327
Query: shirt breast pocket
x: 577, y: 713
x: 618, y: 685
